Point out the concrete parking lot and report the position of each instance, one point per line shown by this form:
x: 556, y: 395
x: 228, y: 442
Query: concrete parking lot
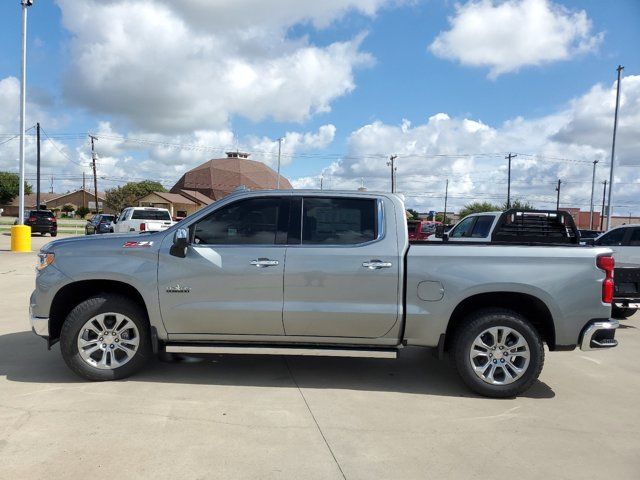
x: 307, y: 418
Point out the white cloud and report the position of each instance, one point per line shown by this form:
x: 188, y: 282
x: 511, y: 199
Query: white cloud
x: 192, y: 65
x: 471, y: 154
x: 506, y: 36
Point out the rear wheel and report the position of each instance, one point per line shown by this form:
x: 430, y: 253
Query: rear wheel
x: 106, y: 337
x: 498, y: 353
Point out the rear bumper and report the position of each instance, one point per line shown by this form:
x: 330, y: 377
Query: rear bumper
x: 599, y: 334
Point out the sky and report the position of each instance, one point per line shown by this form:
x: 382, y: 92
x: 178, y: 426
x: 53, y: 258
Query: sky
x: 448, y: 87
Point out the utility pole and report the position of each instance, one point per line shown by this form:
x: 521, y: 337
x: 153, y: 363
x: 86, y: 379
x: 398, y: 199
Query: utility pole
x: 613, y: 150
x: 509, y: 157
x: 604, y: 195
x: 95, y: 176
x: 84, y: 201
x: 38, y: 166
x: 51, y: 183
x: 279, y: 153
x: 558, y: 190
x: 593, y: 186
x: 321, y: 180
x: 446, y: 196
x: 392, y: 164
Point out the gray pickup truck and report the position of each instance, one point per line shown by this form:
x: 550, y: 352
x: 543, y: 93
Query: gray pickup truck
x: 318, y: 273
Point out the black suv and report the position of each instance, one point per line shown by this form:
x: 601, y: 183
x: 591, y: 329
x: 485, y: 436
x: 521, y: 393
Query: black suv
x: 41, y: 221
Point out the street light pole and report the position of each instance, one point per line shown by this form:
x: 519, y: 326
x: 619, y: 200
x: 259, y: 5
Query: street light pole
x: 23, y: 105
x: 446, y: 197
x: 593, y: 186
x: 21, y: 236
x: 613, y: 150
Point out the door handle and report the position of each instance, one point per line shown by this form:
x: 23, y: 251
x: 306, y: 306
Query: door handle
x: 264, y: 262
x: 376, y: 264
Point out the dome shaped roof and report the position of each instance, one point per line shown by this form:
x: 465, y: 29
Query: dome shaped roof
x: 219, y: 177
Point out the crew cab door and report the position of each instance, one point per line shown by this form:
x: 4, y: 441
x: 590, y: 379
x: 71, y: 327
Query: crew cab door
x: 342, y: 273
x: 231, y: 280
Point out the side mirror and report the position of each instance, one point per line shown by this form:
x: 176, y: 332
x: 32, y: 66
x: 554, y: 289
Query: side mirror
x: 588, y: 241
x: 180, y: 243
x: 439, y: 231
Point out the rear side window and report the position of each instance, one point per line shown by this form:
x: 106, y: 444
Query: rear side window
x: 482, y: 227
x: 463, y: 229
x: 150, y: 215
x: 634, y: 241
x: 338, y: 221
x: 614, y: 237
x: 246, y: 222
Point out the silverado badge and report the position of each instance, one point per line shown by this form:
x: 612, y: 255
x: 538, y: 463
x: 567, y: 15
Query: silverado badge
x: 178, y: 289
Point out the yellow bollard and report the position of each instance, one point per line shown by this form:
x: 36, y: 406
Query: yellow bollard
x: 21, y: 238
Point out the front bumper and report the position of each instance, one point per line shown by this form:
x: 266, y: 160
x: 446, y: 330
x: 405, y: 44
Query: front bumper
x: 39, y: 325
x: 599, y: 334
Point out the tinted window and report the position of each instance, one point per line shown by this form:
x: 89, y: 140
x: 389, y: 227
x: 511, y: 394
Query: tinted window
x: 150, y: 215
x: 614, y: 237
x: 41, y: 213
x: 482, y: 227
x: 463, y: 229
x: 634, y: 241
x: 338, y: 221
x: 247, y: 222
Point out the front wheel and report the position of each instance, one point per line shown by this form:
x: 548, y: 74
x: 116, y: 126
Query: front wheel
x: 106, y: 337
x: 498, y: 353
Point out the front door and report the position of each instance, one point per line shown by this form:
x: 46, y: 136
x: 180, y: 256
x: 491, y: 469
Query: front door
x: 342, y: 279
x: 231, y: 280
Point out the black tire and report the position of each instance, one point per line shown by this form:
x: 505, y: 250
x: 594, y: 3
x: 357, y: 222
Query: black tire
x: 104, y: 303
x: 54, y: 234
x: 477, y: 323
x: 622, y: 313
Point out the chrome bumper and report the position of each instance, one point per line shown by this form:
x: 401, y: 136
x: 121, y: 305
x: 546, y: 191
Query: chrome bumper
x: 39, y: 325
x: 599, y: 334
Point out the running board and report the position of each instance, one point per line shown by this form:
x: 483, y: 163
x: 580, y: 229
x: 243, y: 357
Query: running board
x: 301, y: 351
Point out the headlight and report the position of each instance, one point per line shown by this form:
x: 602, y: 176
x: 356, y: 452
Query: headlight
x: 44, y: 260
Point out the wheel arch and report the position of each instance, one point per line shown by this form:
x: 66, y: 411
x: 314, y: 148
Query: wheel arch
x: 534, y: 310
x: 69, y: 296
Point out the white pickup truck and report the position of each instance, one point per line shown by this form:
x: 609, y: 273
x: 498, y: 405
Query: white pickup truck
x: 142, y: 219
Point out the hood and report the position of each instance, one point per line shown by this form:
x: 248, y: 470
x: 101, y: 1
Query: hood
x: 109, y: 240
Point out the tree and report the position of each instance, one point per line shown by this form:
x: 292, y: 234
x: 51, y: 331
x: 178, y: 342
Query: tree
x: 478, y: 207
x: 412, y: 214
x: 68, y: 208
x: 128, y: 194
x: 519, y: 204
x: 10, y: 187
x: 82, y: 211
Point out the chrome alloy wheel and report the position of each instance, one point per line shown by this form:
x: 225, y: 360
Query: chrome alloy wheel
x: 108, y: 341
x: 499, y: 355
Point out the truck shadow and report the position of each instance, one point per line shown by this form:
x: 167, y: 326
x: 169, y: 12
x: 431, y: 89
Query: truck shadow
x: 24, y: 358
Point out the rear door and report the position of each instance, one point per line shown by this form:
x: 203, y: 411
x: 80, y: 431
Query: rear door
x: 473, y: 229
x: 231, y: 280
x: 342, y: 273
x: 629, y: 251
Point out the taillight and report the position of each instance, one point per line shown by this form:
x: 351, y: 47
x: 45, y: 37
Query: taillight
x: 143, y: 227
x: 52, y: 219
x: 607, y: 264
x: 31, y: 219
